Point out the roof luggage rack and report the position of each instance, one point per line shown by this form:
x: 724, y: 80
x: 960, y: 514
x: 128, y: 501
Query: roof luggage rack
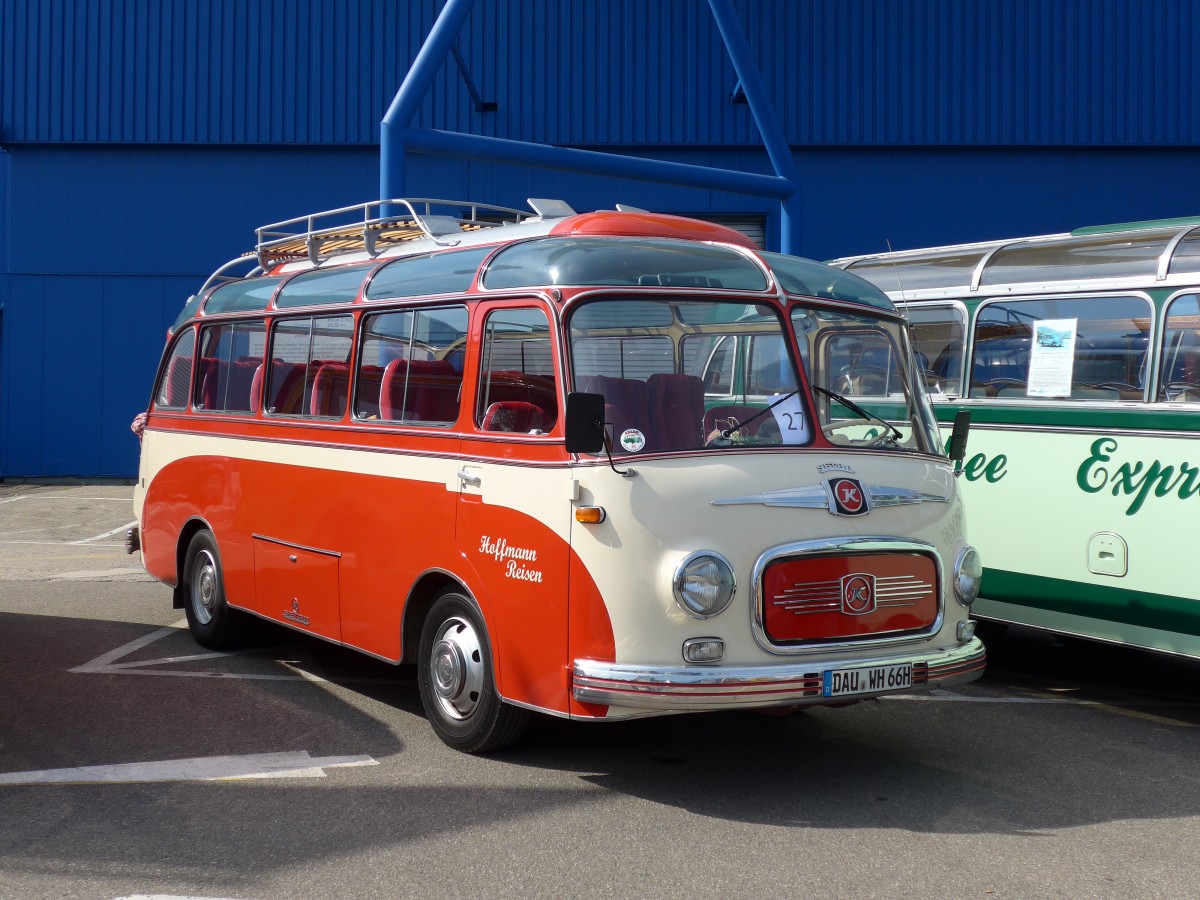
x: 373, y: 227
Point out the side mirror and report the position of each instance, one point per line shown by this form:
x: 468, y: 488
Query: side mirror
x: 957, y: 450
x: 585, y: 423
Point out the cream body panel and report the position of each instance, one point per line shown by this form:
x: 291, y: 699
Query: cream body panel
x: 655, y: 519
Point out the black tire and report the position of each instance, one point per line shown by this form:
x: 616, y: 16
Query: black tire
x: 458, y: 689
x: 210, y: 620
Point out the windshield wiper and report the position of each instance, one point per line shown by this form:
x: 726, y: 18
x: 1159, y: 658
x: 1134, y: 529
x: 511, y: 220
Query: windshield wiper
x: 892, y: 439
x: 754, y: 418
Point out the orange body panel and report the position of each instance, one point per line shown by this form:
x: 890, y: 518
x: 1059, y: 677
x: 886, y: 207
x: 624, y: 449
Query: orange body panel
x: 336, y: 554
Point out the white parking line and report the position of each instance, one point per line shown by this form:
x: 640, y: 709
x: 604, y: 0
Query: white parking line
x: 296, y: 764
x: 64, y: 497
x: 107, y: 664
x: 100, y: 537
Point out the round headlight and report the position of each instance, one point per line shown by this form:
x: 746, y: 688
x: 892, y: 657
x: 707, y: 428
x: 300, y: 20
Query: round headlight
x: 703, y: 584
x: 968, y: 571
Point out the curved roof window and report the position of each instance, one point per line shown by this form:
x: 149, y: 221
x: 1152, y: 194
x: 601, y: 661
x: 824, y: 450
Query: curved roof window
x: 623, y: 261
x: 435, y: 273
x: 1091, y: 256
x: 919, y: 272
x: 814, y: 279
x: 187, y: 312
x: 251, y: 295
x: 320, y: 287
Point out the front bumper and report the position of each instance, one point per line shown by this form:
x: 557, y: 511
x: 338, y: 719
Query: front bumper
x: 696, y: 688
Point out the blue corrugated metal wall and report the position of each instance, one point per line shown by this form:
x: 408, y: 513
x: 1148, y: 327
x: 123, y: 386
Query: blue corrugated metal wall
x: 595, y: 72
x: 146, y: 140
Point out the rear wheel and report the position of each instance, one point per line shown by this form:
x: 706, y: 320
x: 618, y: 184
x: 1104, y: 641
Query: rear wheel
x: 210, y: 620
x: 454, y: 673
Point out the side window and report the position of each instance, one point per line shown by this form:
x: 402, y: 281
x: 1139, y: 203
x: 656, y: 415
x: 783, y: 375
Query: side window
x: 718, y: 367
x: 517, y: 390
x: 1078, y: 348
x: 770, y: 369
x: 309, y: 371
x: 1181, y: 351
x: 230, y: 358
x: 410, y: 368
x: 938, y: 335
x: 862, y: 364
x: 177, y: 374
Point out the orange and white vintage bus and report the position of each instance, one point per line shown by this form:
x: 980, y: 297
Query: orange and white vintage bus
x: 593, y: 465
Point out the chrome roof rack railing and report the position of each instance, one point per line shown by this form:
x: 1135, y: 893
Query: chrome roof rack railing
x: 373, y: 227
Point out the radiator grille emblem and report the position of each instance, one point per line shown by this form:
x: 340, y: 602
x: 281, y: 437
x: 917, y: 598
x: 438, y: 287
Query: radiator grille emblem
x: 858, y: 594
x: 849, y: 498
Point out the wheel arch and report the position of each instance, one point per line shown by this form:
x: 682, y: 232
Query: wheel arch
x: 418, y: 603
x: 190, y: 529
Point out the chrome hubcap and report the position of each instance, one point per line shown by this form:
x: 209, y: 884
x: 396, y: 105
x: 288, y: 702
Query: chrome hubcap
x: 456, y: 668
x: 204, y: 587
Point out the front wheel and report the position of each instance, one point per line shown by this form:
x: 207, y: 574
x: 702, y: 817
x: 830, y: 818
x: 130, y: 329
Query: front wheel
x: 210, y: 620
x: 454, y: 673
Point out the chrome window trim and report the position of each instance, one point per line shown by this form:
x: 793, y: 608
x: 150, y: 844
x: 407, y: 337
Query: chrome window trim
x: 1165, y: 258
x: 960, y: 306
x: 849, y: 546
x: 1151, y: 336
x: 1159, y: 343
x: 1162, y: 275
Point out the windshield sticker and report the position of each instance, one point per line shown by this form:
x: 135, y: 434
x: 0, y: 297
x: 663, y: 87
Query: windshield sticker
x: 1052, y: 358
x: 632, y: 440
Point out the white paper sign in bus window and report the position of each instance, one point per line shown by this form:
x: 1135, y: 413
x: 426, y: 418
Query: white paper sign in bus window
x: 789, y: 416
x: 1052, y: 358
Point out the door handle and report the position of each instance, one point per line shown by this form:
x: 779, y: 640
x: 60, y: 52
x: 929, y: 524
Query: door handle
x: 467, y: 478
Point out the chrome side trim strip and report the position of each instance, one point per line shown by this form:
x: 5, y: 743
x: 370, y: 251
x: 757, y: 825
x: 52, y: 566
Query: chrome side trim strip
x: 817, y: 497
x: 700, y: 688
x: 807, y: 497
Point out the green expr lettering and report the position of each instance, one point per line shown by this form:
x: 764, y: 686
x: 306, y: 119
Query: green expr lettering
x: 1137, y: 479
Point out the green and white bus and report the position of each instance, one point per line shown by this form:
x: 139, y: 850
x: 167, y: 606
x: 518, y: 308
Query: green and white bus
x: 1078, y: 357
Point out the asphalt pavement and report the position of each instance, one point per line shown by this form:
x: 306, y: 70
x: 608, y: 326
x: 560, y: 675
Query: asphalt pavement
x: 135, y: 764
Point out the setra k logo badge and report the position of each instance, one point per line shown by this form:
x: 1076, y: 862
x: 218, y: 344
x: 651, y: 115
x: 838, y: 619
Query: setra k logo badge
x: 847, y: 497
x: 858, y: 594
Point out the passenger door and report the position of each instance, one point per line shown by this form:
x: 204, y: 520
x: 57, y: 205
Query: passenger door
x: 514, y: 504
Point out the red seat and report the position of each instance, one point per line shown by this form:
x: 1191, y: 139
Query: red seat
x: 502, y: 386
x: 420, y: 390
x: 210, y: 383
x: 285, y: 388
x: 370, y: 386
x: 677, y: 407
x: 627, y: 406
x: 331, y: 390
x: 239, y: 389
x: 515, y: 416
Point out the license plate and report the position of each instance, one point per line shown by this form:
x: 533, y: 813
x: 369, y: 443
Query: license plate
x: 844, y: 682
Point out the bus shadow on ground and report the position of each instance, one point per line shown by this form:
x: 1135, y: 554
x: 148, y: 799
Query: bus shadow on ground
x: 69, y: 702
x: 1035, y: 662
x: 981, y: 764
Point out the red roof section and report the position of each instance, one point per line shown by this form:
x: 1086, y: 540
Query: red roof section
x: 639, y: 224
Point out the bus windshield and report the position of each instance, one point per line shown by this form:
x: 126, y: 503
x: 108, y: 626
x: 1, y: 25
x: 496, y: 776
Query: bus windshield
x: 690, y: 374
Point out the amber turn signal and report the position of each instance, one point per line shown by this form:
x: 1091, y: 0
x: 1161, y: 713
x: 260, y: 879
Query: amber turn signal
x: 590, y: 515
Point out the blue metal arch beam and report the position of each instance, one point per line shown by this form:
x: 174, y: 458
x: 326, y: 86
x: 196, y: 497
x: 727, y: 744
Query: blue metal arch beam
x: 398, y: 137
